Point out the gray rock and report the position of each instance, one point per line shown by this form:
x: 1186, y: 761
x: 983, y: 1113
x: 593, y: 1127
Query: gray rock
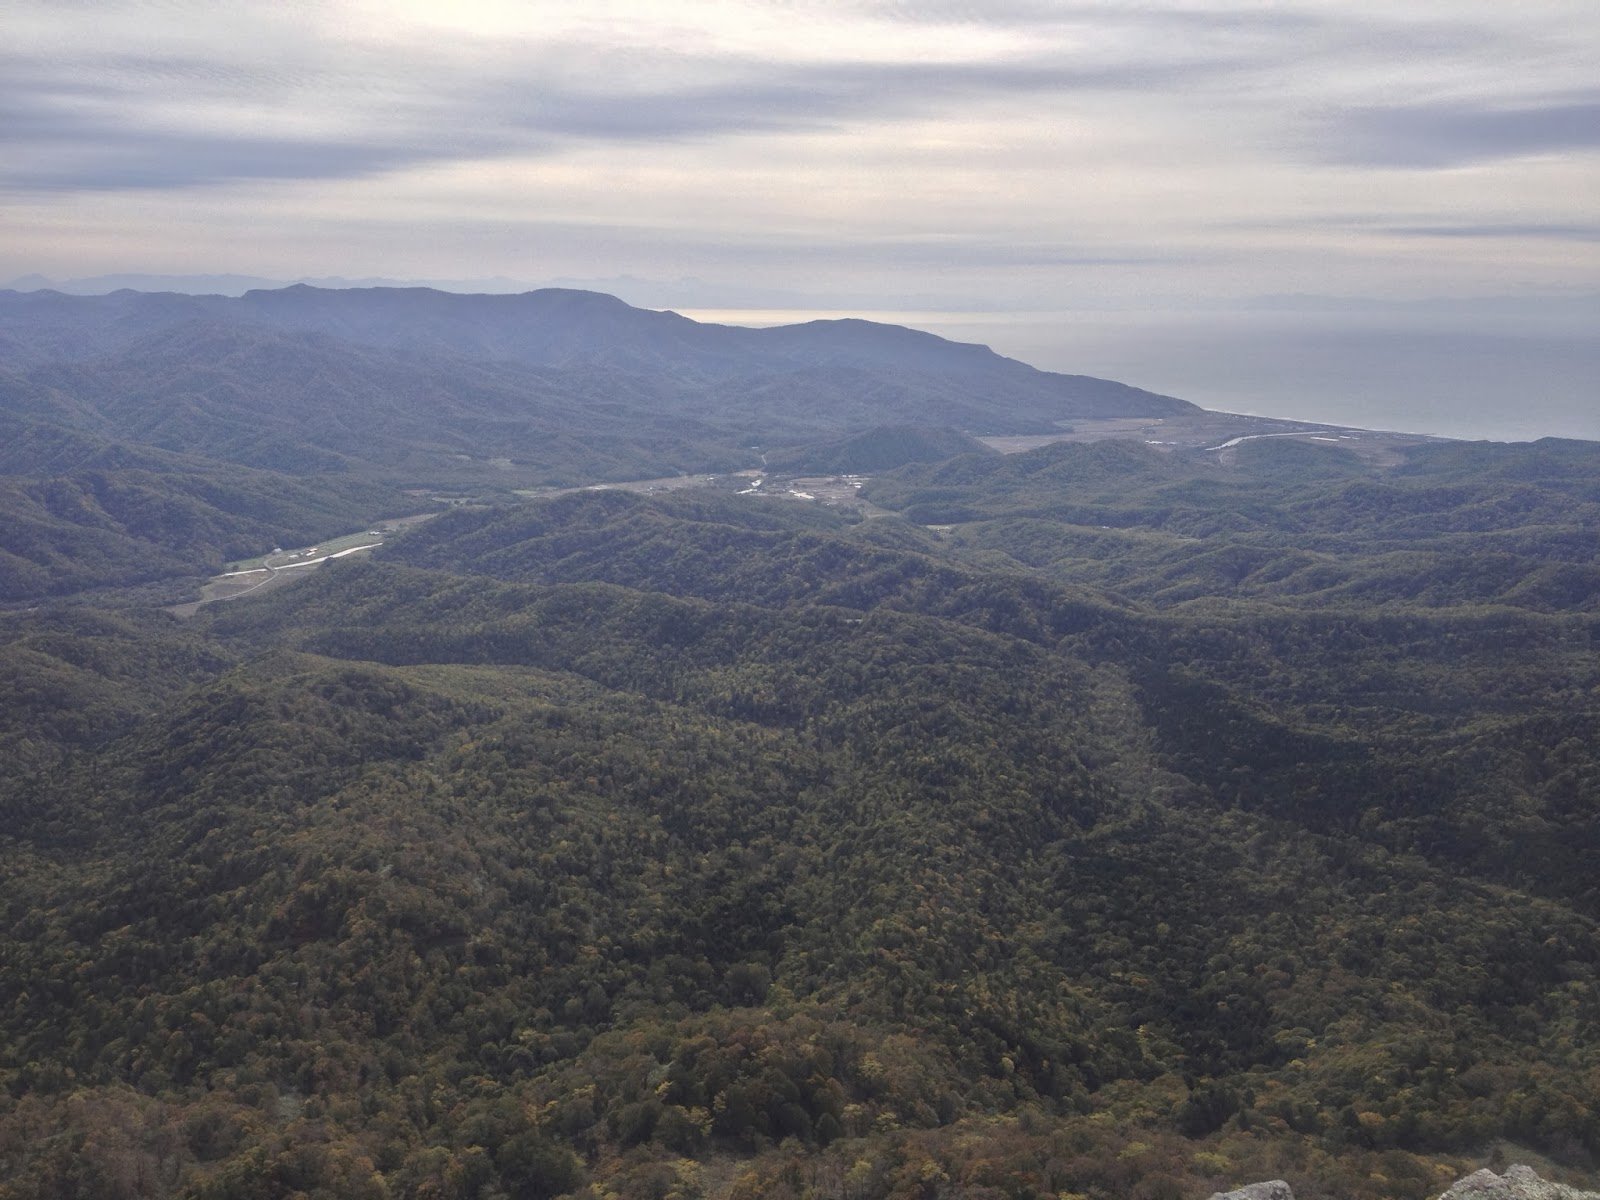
x: 1518, y: 1183
x: 1275, y: 1189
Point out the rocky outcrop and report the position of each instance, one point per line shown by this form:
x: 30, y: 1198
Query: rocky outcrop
x: 1275, y: 1189
x: 1518, y: 1183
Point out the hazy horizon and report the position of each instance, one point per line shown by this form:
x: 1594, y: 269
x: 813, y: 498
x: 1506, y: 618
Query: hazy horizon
x: 859, y: 155
x: 1498, y: 368
x: 1473, y: 380
x: 1007, y: 155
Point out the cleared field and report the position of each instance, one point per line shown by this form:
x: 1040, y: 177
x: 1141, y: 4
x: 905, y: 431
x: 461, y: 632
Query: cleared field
x: 289, y: 558
x: 669, y: 483
x: 1218, y: 431
x: 363, y: 539
x: 274, y: 569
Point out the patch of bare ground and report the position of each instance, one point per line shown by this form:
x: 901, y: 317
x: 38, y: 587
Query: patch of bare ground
x: 232, y: 587
x: 842, y: 491
x: 281, y: 567
x: 1218, y: 431
x: 668, y: 483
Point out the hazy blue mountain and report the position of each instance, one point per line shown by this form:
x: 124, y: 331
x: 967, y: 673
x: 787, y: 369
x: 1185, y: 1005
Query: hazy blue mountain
x: 352, y: 394
x: 238, y: 285
x: 967, y: 385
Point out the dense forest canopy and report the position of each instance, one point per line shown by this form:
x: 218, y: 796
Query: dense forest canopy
x: 1097, y: 821
x: 347, y: 402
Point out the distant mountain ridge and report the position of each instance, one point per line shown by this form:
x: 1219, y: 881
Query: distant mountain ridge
x: 233, y: 284
x: 566, y: 328
x: 1101, y: 821
x: 367, y: 394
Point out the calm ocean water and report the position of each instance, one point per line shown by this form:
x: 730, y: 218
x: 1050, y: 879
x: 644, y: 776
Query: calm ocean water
x: 1509, y: 378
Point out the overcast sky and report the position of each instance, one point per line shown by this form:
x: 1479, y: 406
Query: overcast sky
x: 1011, y: 154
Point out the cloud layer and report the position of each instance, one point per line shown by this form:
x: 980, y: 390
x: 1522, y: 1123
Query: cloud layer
x: 1006, y: 152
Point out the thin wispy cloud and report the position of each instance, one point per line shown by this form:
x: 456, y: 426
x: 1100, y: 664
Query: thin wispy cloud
x: 1559, y: 233
x: 110, y: 123
x: 1002, y: 148
x: 1460, y: 132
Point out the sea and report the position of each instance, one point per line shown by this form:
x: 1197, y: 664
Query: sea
x: 1510, y: 376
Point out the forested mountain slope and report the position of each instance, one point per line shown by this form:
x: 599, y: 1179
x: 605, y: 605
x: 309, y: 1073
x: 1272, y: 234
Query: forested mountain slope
x: 700, y: 845
x: 1101, y: 823
x: 1286, y: 521
x: 853, y: 374
x: 91, y: 527
x: 552, y: 327
x: 878, y: 449
x: 1415, y: 722
x: 361, y: 395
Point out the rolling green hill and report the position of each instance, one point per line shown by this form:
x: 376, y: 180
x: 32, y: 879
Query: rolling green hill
x: 789, y: 854
x: 102, y: 528
x: 334, y: 399
x: 880, y: 449
x: 274, y: 376
x: 1105, y: 823
x: 1287, y: 522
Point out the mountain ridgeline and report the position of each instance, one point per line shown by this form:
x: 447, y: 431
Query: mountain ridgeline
x: 1098, y: 821
x: 396, y: 391
x: 736, y: 376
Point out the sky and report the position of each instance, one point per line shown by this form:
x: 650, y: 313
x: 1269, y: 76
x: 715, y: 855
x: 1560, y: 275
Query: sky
x: 1011, y: 157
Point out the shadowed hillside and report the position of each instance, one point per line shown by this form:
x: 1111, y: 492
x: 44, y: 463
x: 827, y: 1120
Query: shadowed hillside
x: 1101, y: 823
